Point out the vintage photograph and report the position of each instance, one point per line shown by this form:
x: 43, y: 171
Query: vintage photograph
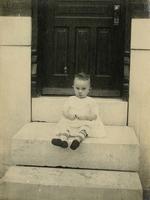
x: 75, y: 99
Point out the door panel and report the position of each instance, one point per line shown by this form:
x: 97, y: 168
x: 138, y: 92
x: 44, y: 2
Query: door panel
x: 103, y: 51
x: 82, y: 50
x: 61, y: 49
x: 80, y: 36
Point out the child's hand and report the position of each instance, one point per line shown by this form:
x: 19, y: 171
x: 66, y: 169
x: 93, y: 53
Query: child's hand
x: 71, y: 116
x: 88, y: 118
x: 91, y: 117
x: 82, y: 117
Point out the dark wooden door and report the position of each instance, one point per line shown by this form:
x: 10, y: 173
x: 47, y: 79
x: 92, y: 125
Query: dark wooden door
x: 81, y: 35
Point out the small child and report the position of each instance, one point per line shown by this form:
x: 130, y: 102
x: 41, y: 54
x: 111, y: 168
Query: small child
x: 80, y: 116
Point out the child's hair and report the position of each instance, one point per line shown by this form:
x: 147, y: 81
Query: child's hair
x: 82, y: 76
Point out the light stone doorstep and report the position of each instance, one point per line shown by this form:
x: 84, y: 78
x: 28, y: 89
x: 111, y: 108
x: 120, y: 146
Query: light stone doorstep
x: 15, y: 30
x: 49, y: 109
x: 140, y: 34
x: 119, y: 150
x: 74, y: 184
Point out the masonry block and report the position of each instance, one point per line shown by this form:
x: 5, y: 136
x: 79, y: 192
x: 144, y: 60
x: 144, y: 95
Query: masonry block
x: 119, y: 150
x: 140, y: 32
x: 15, y: 30
x: 49, y: 183
x: 49, y: 109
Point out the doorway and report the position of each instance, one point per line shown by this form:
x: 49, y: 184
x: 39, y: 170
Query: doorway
x: 81, y: 36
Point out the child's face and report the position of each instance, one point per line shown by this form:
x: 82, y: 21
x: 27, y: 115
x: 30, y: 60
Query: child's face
x: 81, y: 87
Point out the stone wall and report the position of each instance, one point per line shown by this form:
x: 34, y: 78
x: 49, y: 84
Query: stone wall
x: 139, y: 98
x: 15, y: 84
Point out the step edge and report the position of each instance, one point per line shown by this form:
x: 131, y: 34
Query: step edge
x: 7, y: 178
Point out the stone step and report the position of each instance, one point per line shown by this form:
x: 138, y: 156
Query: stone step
x: 118, y: 151
x: 48, y: 109
x: 36, y: 183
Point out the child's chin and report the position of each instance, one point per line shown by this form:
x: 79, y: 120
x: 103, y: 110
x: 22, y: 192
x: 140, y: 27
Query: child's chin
x: 81, y: 97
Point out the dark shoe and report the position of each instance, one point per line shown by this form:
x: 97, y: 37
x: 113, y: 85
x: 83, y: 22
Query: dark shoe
x: 59, y: 142
x: 56, y: 141
x: 64, y: 144
x: 75, y: 144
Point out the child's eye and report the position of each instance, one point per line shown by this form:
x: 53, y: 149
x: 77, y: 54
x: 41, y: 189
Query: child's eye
x: 83, y: 88
x: 77, y: 88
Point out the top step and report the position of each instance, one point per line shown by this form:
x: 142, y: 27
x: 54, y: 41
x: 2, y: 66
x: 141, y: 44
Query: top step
x: 48, y: 109
x: 119, y: 150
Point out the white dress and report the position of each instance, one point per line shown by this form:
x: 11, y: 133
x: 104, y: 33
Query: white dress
x: 82, y: 107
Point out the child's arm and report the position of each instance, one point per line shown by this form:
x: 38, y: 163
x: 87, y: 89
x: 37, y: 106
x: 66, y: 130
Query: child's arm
x: 90, y: 117
x: 92, y: 112
x: 67, y: 111
x: 69, y: 115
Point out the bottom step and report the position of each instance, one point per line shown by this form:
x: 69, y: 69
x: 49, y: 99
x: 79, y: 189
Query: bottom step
x: 36, y: 183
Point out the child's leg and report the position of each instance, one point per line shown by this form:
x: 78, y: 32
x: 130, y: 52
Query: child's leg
x: 82, y: 134
x: 61, y: 140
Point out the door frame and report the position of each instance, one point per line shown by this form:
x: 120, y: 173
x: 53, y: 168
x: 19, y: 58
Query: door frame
x: 37, y: 71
